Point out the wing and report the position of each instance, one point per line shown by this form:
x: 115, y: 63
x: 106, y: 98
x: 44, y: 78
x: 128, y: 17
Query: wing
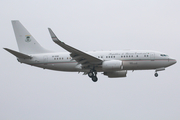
x: 81, y: 57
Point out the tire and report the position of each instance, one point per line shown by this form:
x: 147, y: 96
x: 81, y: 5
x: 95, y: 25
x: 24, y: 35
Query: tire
x: 156, y: 74
x: 90, y: 74
x: 94, y: 79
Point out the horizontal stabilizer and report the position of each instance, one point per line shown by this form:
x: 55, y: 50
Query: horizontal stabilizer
x: 18, y: 54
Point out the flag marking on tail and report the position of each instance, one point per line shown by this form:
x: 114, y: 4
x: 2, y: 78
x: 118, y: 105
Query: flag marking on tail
x: 28, y: 39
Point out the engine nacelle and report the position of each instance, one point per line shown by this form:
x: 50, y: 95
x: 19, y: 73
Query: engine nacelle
x: 112, y: 65
x: 116, y: 74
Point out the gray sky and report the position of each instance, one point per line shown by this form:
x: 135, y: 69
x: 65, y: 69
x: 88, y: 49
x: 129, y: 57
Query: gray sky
x: 28, y: 92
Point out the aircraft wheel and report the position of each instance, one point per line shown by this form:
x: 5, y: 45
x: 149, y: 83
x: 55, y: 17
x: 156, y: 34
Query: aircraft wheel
x: 156, y: 74
x: 90, y: 74
x: 94, y: 79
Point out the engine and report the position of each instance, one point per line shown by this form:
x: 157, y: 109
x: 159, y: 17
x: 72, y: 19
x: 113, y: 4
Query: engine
x: 116, y: 74
x: 112, y: 65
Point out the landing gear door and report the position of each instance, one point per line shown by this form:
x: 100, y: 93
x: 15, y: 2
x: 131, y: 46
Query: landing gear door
x: 152, y: 56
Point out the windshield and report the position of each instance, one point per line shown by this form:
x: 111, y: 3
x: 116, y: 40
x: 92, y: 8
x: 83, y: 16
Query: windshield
x: 163, y: 55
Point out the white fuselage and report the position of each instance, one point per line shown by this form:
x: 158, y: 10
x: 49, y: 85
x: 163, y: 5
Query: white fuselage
x: 112, y: 63
x: 131, y: 60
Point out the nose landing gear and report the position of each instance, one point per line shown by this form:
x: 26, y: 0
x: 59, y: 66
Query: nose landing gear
x: 159, y: 69
x: 156, y: 74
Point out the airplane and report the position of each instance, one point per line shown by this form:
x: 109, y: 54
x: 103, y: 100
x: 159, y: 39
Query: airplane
x: 112, y: 64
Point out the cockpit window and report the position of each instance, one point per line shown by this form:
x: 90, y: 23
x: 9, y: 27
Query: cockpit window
x: 163, y: 55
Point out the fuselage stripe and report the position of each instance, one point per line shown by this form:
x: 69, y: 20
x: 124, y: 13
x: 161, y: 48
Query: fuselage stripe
x: 121, y: 60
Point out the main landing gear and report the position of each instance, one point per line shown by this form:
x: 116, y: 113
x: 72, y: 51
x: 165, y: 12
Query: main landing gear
x: 92, y: 74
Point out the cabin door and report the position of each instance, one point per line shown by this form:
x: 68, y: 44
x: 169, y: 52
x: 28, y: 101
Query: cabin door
x: 152, y: 56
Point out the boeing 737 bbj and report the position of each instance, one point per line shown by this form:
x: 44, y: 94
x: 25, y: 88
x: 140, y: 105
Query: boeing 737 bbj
x: 111, y: 63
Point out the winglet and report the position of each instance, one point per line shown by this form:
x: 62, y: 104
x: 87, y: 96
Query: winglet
x: 53, y: 36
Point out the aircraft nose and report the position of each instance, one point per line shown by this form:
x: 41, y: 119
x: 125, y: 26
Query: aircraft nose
x: 173, y: 61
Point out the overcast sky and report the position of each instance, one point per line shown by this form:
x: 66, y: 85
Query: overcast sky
x: 29, y: 93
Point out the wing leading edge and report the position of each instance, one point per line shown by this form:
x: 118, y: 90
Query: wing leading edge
x: 81, y: 57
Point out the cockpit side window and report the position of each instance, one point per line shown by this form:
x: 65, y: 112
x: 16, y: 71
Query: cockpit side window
x: 163, y: 55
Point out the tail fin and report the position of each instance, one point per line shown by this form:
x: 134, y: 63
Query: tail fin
x: 26, y: 42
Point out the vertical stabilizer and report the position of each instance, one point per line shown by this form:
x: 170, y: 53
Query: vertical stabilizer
x: 26, y: 42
